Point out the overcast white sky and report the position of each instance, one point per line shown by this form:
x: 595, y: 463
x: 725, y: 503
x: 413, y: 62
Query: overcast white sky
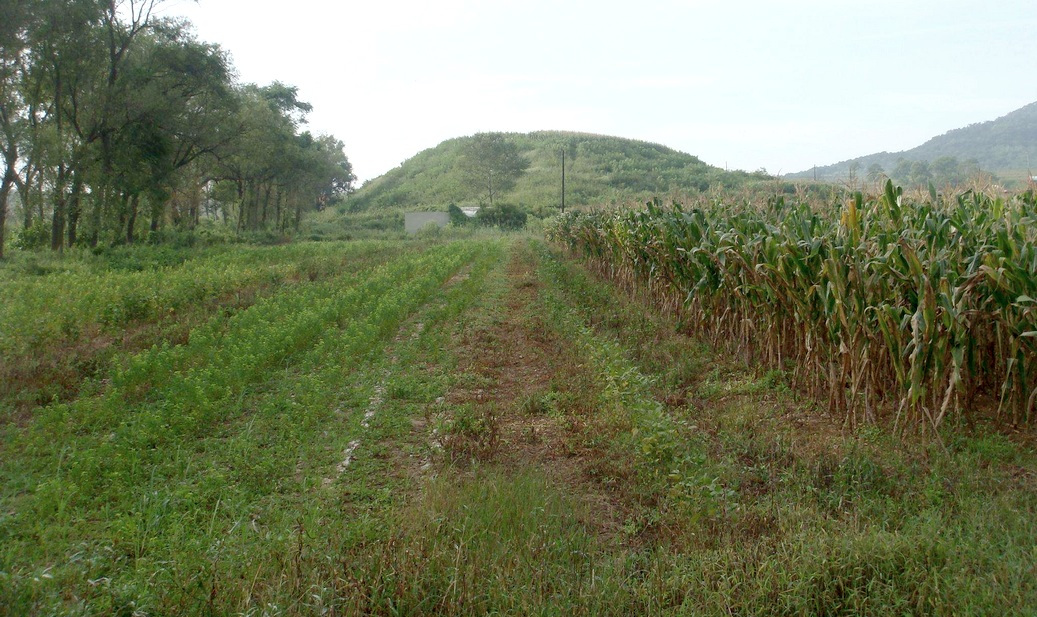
x: 746, y: 84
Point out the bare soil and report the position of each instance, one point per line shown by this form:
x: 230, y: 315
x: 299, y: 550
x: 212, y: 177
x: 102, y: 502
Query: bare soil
x: 513, y: 367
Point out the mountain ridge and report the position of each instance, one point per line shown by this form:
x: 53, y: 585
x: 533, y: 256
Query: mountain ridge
x: 1006, y: 145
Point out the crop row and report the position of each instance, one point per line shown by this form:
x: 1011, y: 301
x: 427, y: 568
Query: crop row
x: 161, y: 396
x: 62, y: 307
x: 879, y: 305
x: 76, y: 478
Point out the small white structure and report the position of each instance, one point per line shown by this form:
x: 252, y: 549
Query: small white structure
x: 414, y: 221
x: 470, y: 212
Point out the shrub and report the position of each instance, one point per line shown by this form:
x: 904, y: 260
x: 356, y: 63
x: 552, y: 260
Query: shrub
x: 505, y: 216
x: 457, y: 216
x: 35, y: 236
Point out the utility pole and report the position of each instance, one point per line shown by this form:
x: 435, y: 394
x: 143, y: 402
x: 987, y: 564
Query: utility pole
x: 563, y: 180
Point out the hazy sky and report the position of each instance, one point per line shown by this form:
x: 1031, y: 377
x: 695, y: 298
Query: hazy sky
x: 778, y: 85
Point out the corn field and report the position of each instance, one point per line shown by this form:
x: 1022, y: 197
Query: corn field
x: 920, y: 310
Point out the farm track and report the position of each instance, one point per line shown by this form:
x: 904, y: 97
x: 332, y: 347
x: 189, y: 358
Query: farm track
x: 511, y: 365
x: 489, y: 427
x: 590, y: 457
x: 409, y: 332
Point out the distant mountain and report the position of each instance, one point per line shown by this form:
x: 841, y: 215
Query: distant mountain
x: 1006, y: 146
x: 600, y: 169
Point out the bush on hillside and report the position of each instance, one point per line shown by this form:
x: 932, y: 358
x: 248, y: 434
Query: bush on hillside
x: 505, y: 216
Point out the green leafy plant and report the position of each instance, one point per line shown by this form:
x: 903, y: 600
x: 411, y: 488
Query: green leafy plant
x: 887, y: 307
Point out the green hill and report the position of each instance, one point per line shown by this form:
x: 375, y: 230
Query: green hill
x: 599, y: 169
x: 1006, y: 146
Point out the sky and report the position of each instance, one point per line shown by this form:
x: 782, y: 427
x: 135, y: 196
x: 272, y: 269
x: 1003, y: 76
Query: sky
x: 741, y: 84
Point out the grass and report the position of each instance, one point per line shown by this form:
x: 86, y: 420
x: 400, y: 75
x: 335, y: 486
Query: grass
x: 481, y: 426
x: 493, y: 543
x: 53, y: 345
x: 815, y: 521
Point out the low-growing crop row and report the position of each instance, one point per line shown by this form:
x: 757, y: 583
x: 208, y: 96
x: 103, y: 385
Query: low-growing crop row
x: 93, y: 488
x: 39, y: 310
x: 667, y: 461
x: 878, y: 305
x: 56, y: 329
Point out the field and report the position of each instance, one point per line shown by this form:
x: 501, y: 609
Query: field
x: 467, y: 425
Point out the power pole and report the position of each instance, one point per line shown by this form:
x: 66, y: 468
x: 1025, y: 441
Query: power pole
x: 563, y: 180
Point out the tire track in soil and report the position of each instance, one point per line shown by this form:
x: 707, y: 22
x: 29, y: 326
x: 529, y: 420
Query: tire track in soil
x: 517, y: 361
x: 411, y: 329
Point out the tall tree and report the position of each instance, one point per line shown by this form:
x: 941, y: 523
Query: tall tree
x: 110, y: 116
x: 263, y: 151
x: 491, y: 164
x: 875, y: 173
x: 182, y: 107
x: 920, y: 175
x: 68, y: 52
x: 15, y: 19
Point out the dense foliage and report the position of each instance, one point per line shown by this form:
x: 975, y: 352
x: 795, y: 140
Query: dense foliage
x: 503, y: 216
x: 875, y: 305
x: 599, y: 169
x: 112, y: 118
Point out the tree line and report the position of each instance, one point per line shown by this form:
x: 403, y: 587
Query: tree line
x: 944, y: 171
x: 114, y: 122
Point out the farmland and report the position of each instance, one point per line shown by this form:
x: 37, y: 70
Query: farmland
x: 484, y: 423
x: 873, y: 304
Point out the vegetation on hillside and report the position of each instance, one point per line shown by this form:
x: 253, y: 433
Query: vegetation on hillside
x: 946, y: 172
x: 1006, y: 147
x: 114, y: 120
x: 599, y: 169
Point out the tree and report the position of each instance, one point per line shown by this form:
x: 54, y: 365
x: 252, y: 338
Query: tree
x: 490, y: 164
x: 319, y: 175
x: 110, y: 114
x: 65, y: 50
x: 920, y: 173
x: 276, y: 173
x: 569, y: 151
x: 875, y: 173
x: 14, y: 26
x: 263, y: 159
x: 183, y: 105
x: 946, y: 170
x: 901, y: 173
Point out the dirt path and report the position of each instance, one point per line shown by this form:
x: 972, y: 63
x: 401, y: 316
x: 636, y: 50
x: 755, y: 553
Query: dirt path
x: 514, y: 375
x: 529, y: 490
